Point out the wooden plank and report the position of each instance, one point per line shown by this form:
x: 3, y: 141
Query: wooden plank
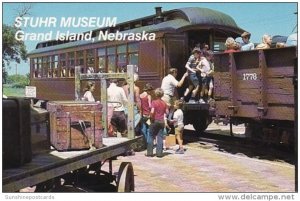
x: 280, y: 83
x: 248, y: 84
x: 281, y: 113
x: 222, y: 108
x: 284, y: 99
x: 282, y: 71
x: 284, y: 91
x: 222, y: 84
x: 248, y: 95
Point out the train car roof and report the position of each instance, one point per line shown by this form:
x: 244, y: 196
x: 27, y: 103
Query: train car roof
x: 173, y: 20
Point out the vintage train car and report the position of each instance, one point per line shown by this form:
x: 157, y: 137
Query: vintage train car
x: 52, y: 63
x: 257, y: 88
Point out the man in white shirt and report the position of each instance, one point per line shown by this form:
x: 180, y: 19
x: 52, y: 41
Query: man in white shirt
x: 116, y: 97
x: 168, y: 85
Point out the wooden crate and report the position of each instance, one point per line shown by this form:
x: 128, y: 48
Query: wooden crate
x: 170, y: 141
x: 75, y: 125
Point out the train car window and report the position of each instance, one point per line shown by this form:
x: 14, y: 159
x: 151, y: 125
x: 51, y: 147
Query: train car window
x: 133, y: 47
x: 133, y: 59
x: 35, y: 68
x: 219, y: 46
x: 101, y: 51
x: 101, y: 64
x: 122, y: 62
x: 71, y: 59
x: 111, y: 50
x: 63, y: 65
x: 91, y: 61
x: 111, y: 61
x: 39, y: 67
x: 133, y: 53
x: 121, y: 49
x: 101, y: 59
x: 71, y: 63
x: 46, y: 65
x: 50, y: 67
x: 79, y: 58
x: 122, y: 58
x: 54, y: 65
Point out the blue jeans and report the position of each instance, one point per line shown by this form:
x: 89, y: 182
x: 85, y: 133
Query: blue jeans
x: 156, y: 129
x: 145, y: 129
x: 194, y: 79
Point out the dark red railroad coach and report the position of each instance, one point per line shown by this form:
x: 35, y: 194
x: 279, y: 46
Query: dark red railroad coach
x: 53, y: 62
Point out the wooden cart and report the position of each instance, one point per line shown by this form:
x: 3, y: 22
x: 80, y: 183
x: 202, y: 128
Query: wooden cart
x: 47, y: 169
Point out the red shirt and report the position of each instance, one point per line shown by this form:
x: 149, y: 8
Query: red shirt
x: 160, y: 108
x: 145, y: 105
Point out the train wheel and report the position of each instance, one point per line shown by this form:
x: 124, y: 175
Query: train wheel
x: 200, y: 123
x: 125, y: 178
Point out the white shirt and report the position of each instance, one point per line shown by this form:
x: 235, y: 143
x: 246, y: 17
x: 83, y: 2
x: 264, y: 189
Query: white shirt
x: 116, y: 94
x: 247, y: 46
x: 205, y: 66
x: 178, y: 117
x: 168, y: 85
x: 88, y: 96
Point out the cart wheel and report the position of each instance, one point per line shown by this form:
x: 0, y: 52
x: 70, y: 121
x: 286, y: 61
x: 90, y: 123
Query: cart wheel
x: 48, y: 185
x: 126, y: 177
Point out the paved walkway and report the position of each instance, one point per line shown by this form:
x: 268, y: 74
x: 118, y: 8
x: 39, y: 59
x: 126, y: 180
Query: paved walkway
x: 206, y: 170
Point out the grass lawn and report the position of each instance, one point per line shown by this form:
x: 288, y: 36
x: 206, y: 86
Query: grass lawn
x: 9, y: 91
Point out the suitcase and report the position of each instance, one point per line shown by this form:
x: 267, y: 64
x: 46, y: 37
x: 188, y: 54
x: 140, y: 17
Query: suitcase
x: 75, y: 125
x: 16, y: 137
x: 40, y: 130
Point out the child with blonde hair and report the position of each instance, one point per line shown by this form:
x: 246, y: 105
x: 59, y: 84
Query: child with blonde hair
x: 179, y: 125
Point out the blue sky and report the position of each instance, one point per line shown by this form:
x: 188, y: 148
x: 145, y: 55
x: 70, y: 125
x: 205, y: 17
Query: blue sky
x: 257, y: 18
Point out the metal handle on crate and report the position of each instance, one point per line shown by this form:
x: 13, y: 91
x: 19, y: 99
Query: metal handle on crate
x: 82, y: 125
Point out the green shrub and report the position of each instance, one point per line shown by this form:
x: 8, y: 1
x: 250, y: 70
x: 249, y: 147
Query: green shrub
x: 18, y: 81
x: 19, y: 85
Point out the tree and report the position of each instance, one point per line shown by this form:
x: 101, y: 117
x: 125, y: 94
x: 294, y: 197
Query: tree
x: 12, y: 49
x: 4, y: 76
